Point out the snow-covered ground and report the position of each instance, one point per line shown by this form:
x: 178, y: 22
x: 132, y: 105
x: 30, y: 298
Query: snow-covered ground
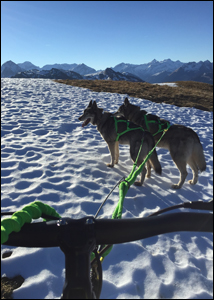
x: 46, y: 155
x: 172, y: 84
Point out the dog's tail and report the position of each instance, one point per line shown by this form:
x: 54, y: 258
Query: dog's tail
x: 155, y: 162
x: 198, y: 156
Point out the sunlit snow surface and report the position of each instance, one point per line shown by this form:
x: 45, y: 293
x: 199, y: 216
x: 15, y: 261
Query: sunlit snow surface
x: 46, y: 155
x: 172, y: 84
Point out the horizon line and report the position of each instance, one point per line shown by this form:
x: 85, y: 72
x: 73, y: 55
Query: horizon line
x: 110, y: 67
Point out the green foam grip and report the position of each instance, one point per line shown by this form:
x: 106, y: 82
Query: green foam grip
x: 19, y: 218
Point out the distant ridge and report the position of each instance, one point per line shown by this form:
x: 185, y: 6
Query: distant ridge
x: 152, y: 72
x: 54, y: 73
x: 170, y: 71
x: 110, y: 74
x: 51, y: 74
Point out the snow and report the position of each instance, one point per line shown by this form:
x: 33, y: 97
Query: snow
x: 192, y: 66
x: 172, y: 84
x: 48, y: 156
x: 149, y: 69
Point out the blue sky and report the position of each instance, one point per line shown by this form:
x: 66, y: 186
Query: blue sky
x: 103, y: 34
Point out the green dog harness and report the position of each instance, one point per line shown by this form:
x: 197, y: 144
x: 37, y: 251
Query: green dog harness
x: 160, y: 125
x: 127, y: 130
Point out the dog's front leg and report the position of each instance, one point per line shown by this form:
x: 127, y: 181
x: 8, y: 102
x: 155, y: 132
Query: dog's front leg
x: 116, y: 152
x: 111, y: 147
x: 143, y: 174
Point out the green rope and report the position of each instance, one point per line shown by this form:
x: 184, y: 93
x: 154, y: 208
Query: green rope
x: 121, y: 190
x: 19, y: 218
x: 124, y: 185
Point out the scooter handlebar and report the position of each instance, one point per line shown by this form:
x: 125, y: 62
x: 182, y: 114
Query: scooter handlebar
x: 107, y: 231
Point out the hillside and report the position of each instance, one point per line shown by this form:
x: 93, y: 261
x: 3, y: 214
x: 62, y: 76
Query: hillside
x: 187, y: 93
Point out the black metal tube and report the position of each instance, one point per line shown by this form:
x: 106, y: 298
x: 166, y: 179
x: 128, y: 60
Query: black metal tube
x: 44, y: 234
x: 109, y: 231
x: 77, y: 242
x: 117, y: 231
x: 77, y: 274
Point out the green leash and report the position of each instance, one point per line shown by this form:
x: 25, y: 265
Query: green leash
x: 124, y: 185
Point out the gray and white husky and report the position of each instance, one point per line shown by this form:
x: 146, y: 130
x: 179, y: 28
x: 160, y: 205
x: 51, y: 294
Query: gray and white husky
x: 182, y: 142
x: 105, y: 122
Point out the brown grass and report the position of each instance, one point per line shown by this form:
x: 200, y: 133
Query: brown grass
x: 187, y: 93
x: 8, y: 285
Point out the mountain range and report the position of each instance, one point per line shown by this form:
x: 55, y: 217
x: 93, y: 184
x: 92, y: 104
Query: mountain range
x: 153, y: 72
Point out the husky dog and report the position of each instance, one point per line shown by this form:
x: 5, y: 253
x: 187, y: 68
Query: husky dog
x: 106, y: 125
x: 182, y: 142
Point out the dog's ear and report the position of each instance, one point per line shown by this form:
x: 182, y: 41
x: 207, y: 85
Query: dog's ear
x: 90, y: 104
x: 94, y: 105
x: 126, y: 101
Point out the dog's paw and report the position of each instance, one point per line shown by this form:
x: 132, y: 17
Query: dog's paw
x: 192, y: 182
x: 175, y: 186
x: 138, y: 183
x: 110, y: 165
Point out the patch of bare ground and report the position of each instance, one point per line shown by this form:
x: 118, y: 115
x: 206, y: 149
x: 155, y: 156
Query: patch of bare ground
x: 185, y: 94
x: 10, y: 284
